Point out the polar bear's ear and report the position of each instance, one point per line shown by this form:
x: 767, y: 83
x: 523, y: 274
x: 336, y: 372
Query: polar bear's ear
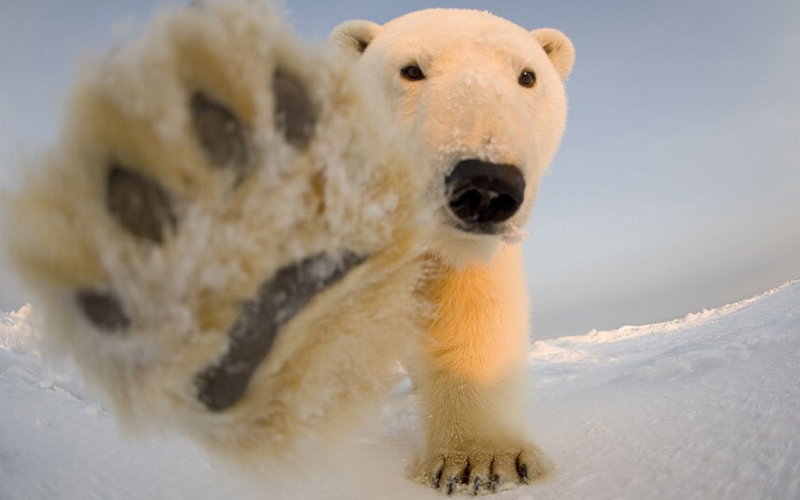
x: 353, y: 37
x: 558, y: 48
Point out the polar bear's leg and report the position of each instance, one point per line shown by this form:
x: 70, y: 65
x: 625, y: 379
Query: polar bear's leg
x: 474, y: 379
x: 224, y: 237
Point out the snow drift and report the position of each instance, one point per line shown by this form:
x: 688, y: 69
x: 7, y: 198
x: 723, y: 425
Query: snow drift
x: 707, y: 406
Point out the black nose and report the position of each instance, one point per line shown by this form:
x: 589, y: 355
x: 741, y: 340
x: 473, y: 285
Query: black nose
x: 481, y: 193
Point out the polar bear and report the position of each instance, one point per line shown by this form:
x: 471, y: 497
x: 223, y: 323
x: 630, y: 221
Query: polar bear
x: 485, y: 99
x: 238, y: 236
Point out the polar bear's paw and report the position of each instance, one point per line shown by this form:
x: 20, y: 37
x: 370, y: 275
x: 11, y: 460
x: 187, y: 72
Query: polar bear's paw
x: 479, y: 471
x: 221, y: 224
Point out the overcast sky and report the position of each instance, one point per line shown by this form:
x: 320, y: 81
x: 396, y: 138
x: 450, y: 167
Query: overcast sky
x: 677, y: 186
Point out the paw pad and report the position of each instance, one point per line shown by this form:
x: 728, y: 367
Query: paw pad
x: 220, y: 133
x: 295, y: 114
x: 279, y: 300
x: 103, y: 310
x: 139, y: 204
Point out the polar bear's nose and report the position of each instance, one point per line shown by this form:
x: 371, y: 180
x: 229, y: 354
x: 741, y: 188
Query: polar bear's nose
x: 480, y: 193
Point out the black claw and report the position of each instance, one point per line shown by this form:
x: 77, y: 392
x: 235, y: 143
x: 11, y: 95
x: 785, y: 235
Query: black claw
x: 103, y: 310
x: 437, y: 479
x: 465, y: 476
x: 494, y: 479
x: 295, y: 114
x: 522, y: 470
x: 476, y: 486
x: 451, y: 485
x: 494, y: 482
x: 279, y: 300
x: 140, y: 204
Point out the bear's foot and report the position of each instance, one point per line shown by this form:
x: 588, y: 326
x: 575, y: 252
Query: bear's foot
x: 225, y: 237
x: 480, y: 471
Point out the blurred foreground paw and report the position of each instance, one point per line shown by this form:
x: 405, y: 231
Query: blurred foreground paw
x: 225, y: 237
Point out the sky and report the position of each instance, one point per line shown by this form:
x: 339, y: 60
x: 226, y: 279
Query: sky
x: 677, y: 185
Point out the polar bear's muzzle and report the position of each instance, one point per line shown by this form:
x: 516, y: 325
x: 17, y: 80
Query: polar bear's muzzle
x: 482, y: 195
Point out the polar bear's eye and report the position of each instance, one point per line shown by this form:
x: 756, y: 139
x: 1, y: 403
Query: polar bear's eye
x: 412, y: 72
x: 527, y: 78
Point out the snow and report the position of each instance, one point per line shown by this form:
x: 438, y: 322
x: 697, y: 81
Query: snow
x: 707, y: 406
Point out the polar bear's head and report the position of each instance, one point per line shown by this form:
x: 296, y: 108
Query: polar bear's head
x: 484, y: 98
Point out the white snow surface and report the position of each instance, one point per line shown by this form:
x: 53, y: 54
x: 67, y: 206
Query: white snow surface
x: 705, y: 407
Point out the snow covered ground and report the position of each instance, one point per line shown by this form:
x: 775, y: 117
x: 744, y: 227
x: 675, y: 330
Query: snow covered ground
x: 705, y: 407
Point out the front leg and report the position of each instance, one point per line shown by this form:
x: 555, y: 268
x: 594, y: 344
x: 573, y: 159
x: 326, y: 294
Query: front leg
x: 473, y: 379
